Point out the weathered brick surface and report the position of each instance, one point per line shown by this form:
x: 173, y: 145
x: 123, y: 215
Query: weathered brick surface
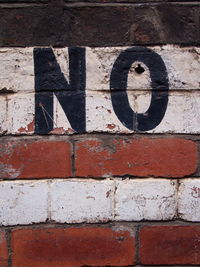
x: 3, y: 115
x: 76, y: 78
x: 23, y: 1
x: 19, y: 107
x: 139, y: 24
x: 82, y: 201
x: 153, y: 199
x: 17, y: 69
x: 23, y: 202
x: 29, y: 22
x: 170, y: 245
x: 87, y: 200
x: 115, y: 1
x: 182, y: 114
x: 35, y: 159
x: 174, y: 57
x: 170, y: 157
x: 182, y: 64
x: 189, y: 200
x: 73, y: 247
x: 3, y: 249
x: 20, y: 114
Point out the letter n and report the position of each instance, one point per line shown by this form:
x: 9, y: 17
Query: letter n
x: 50, y: 82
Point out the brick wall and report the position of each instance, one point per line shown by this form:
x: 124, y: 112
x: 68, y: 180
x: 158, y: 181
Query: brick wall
x: 100, y: 126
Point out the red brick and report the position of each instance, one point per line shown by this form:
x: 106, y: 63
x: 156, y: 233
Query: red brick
x: 3, y: 250
x: 170, y: 245
x: 35, y: 159
x: 72, y: 247
x: 169, y: 157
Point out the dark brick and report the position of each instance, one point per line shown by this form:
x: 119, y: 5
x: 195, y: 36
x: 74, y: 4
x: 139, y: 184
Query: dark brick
x: 33, y: 26
x: 124, y: 1
x: 95, y: 25
x: 23, y: 1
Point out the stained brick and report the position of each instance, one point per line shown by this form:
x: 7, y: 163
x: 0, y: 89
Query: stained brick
x: 136, y: 24
x: 139, y: 157
x: 189, y: 200
x: 145, y: 199
x: 163, y: 245
x: 35, y: 159
x: 72, y: 247
x: 3, y: 249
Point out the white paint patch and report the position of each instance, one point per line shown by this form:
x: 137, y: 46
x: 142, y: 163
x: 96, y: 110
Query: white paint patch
x: 100, y: 116
x: 17, y: 69
x: 182, y: 64
x: 189, y: 200
x: 3, y: 115
x: 75, y: 201
x: 93, y: 201
x: 23, y: 202
x: 182, y: 113
x: 148, y: 199
x: 21, y: 113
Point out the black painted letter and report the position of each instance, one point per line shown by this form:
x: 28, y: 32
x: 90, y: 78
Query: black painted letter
x: 159, y: 83
x: 49, y: 81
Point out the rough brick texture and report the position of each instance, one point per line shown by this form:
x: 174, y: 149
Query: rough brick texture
x: 73, y: 247
x: 182, y: 64
x: 23, y: 202
x: 138, y: 157
x: 3, y: 249
x: 75, y: 201
x: 95, y: 108
x: 136, y: 24
x: 182, y: 113
x: 189, y: 200
x: 142, y: 199
x: 99, y: 129
x: 92, y: 201
x: 170, y: 245
x: 35, y: 159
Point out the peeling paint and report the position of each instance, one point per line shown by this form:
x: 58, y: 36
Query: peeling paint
x: 28, y: 129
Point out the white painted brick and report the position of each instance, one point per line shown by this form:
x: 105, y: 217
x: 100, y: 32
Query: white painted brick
x: 182, y: 65
x: 3, y: 115
x: 100, y: 116
x: 23, y: 202
x: 182, y: 114
x: 145, y: 199
x: 17, y: 67
x: 189, y: 200
x: 75, y: 201
x: 21, y: 112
